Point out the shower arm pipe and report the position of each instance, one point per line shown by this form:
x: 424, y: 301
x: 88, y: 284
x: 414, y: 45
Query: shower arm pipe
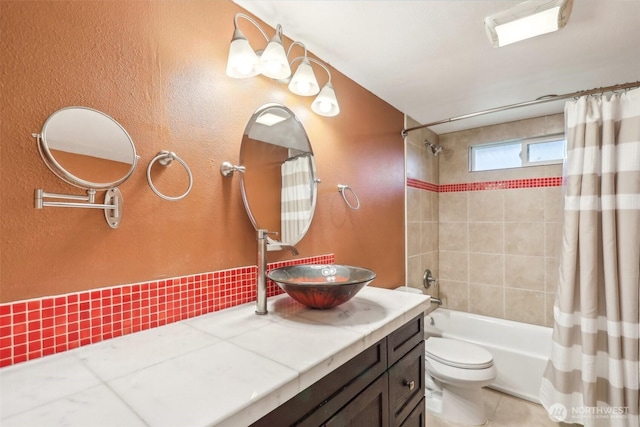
x: 541, y: 100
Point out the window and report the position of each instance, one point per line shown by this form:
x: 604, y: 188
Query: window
x: 517, y: 153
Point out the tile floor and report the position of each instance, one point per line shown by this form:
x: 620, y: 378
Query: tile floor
x: 504, y: 410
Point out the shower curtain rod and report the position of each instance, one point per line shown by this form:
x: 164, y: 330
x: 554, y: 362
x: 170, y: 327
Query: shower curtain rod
x: 541, y: 100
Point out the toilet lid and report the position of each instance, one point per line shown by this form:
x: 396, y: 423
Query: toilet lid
x: 458, y: 354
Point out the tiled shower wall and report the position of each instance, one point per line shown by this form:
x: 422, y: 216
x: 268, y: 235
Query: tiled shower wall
x: 491, y: 238
x: 499, y: 231
x: 422, y: 206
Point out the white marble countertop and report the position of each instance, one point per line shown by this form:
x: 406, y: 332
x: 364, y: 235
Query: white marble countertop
x: 227, y: 368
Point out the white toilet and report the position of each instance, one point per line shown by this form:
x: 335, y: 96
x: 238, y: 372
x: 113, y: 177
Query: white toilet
x: 455, y: 373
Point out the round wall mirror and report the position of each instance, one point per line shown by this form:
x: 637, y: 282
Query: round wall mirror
x: 86, y: 148
x: 279, y: 185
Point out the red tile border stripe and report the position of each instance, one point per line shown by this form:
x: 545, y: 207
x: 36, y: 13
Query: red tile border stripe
x: 422, y: 185
x: 40, y: 327
x: 511, y: 184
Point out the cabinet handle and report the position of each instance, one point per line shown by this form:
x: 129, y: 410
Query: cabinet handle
x: 410, y: 384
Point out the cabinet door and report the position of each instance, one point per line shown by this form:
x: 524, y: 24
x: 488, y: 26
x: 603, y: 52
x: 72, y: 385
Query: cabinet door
x: 417, y: 417
x: 369, y: 409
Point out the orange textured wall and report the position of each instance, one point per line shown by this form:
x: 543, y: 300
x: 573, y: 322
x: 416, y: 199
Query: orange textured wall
x: 159, y: 69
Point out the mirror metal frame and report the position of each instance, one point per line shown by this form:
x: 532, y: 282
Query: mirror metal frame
x: 274, y: 244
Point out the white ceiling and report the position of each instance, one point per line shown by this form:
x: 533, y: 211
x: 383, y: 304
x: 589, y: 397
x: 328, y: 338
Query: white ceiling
x: 432, y: 60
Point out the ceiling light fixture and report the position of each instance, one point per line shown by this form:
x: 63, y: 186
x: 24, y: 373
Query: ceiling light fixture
x: 528, y: 19
x: 273, y: 62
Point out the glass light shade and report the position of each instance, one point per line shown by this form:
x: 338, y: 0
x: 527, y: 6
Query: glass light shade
x: 304, y: 81
x: 242, y: 61
x: 526, y: 20
x: 326, y: 103
x: 273, y: 61
x: 527, y: 27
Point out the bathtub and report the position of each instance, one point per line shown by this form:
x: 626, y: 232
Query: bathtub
x: 520, y: 350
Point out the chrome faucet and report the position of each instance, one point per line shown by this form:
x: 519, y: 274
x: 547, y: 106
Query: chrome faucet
x: 261, y: 300
x: 293, y: 249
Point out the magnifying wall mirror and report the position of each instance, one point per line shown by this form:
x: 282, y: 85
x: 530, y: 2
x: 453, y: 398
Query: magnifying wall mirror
x: 279, y: 185
x: 87, y: 149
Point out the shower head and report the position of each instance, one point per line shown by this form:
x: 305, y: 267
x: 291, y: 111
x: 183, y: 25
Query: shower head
x: 435, y: 148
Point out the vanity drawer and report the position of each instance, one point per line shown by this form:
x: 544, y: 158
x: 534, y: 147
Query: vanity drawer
x: 404, y: 339
x: 406, y: 384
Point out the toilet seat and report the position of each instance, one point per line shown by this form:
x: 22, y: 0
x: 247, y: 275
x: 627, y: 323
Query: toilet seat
x: 457, y: 354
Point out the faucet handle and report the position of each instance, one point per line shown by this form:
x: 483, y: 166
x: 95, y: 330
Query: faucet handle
x: 262, y: 233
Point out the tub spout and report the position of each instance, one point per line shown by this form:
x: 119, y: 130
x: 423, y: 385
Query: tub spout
x: 436, y: 301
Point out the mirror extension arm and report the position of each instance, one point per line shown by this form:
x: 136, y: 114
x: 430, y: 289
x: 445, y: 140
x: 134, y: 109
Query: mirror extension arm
x: 112, y: 203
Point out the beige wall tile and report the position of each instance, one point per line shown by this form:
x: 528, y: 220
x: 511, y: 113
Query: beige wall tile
x: 551, y: 274
x: 553, y: 170
x: 453, y: 266
x: 413, y: 238
x: 524, y: 205
x: 454, y: 295
x: 552, y: 239
x: 524, y: 238
x: 486, y: 205
x: 413, y: 204
x: 486, y: 237
x: 428, y: 206
x: 454, y: 159
x: 553, y: 204
x: 454, y: 236
x: 524, y: 272
x: 429, y: 236
x: 453, y: 207
x: 486, y: 269
x: 486, y: 300
x: 524, y: 306
x: 414, y: 271
x: 554, y: 123
x: 413, y: 161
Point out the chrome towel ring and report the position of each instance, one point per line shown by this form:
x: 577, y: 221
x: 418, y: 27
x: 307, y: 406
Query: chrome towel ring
x: 165, y: 158
x: 342, y: 188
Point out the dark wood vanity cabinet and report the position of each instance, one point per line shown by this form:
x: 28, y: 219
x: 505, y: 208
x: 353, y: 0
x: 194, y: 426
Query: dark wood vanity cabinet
x: 382, y: 386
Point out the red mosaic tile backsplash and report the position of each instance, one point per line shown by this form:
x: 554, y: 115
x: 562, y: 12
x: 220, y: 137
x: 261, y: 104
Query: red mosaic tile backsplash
x: 40, y: 327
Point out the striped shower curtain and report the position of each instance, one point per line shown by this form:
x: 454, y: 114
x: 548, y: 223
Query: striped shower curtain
x: 592, y: 377
x: 295, y: 198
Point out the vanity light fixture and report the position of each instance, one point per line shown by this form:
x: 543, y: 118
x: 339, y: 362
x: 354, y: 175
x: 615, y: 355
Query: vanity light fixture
x: 273, y: 62
x: 528, y: 19
x: 304, y: 83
